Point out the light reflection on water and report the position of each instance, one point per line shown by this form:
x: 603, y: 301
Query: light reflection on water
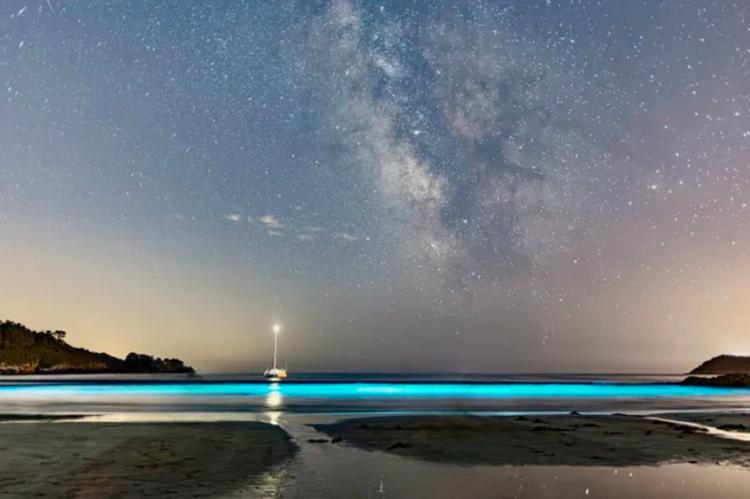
x: 274, y: 399
x: 379, y: 475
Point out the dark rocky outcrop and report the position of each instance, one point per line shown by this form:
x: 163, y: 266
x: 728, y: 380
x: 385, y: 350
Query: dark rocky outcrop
x: 142, y: 363
x: 724, y: 364
x: 23, y: 351
x: 735, y: 380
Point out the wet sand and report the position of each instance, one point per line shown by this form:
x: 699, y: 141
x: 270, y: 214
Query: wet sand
x: 9, y: 418
x: 738, y: 421
x: 573, y: 440
x: 58, y: 459
x: 419, y: 456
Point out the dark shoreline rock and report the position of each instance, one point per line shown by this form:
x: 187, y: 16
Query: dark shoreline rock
x: 736, y: 380
x: 724, y: 364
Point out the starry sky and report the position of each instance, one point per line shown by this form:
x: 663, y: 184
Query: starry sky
x: 546, y: 185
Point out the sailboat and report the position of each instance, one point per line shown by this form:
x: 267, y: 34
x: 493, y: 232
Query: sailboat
x: 274, y: 373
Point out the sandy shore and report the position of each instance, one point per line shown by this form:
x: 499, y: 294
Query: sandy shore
x: 550, y: 440
x: 45, y: 458
x: 57, y: 459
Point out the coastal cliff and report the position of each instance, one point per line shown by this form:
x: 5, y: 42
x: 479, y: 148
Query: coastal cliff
x: 23, y: 351
x: 724, y: 364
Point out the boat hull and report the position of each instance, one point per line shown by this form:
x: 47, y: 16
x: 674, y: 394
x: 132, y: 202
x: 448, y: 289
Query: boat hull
x: 275, y: 374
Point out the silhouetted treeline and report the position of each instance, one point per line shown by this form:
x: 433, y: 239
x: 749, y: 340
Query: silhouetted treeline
x: 24, y: 351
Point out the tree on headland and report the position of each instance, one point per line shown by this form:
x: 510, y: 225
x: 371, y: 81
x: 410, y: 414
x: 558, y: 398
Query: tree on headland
x: 25, y: 351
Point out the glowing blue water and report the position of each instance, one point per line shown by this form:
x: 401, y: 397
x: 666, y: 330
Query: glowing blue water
x: 373, y: 391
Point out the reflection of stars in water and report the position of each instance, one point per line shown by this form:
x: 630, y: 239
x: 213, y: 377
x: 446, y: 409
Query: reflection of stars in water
x: 273, y: 399
x: 272, y: 483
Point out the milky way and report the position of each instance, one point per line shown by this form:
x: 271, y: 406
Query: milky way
x: 454, y: 185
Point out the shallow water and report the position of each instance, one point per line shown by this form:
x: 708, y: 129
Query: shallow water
x: 362, y: 393
x: 377, y: 475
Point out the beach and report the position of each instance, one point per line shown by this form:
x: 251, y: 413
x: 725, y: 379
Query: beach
x: 81, y: 459
x: 346, y: 437
x: 574, y: 440
x: 394, y: 456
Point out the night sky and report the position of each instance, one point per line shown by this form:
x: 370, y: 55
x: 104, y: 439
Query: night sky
x: 537, y: 185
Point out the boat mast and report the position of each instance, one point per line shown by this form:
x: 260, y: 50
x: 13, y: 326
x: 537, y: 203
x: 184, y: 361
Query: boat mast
x: 275, y: 342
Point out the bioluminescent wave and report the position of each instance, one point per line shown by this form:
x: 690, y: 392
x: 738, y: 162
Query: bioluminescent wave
x: 371, y: 391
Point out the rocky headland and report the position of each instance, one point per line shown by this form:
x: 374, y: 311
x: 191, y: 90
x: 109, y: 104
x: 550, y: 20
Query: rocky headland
x: 23, y: 351
x: 724, y: 364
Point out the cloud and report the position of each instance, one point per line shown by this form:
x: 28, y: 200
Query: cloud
x: 344, y: 236
x: 233, y: 217
x: 271, y: 222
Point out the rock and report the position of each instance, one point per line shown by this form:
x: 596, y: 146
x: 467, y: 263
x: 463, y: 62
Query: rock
x: 732, y: 427
x: 735, y: 380
x: 548, y: 428
x: 138, y: 362
x: 336, y: 439
x: 724, y: 364
x: 398, y: 445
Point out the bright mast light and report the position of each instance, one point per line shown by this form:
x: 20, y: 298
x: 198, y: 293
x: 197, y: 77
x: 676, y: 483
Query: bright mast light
x: 276, y: 329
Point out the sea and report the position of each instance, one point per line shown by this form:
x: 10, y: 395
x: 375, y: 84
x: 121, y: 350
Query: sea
x: 363, y: 393
x: 346, y: 472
